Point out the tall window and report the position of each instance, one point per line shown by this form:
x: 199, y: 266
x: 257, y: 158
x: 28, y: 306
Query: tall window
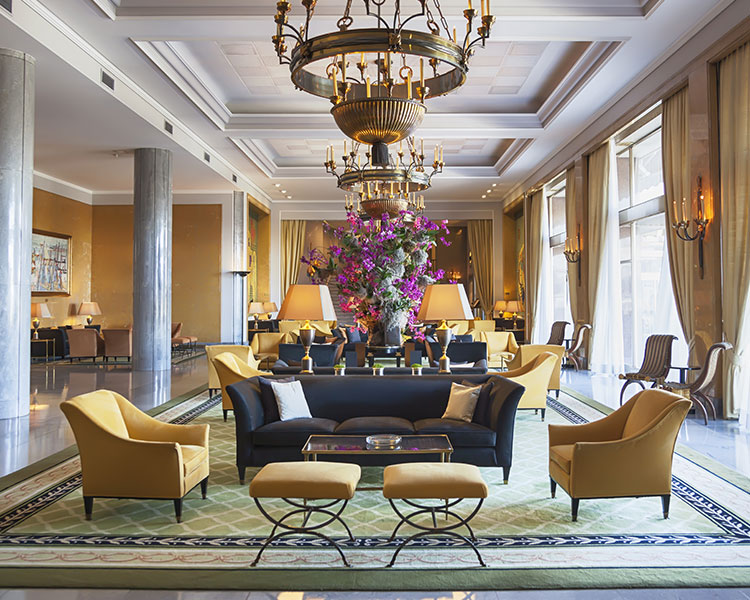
x: 555, y: 192
x: 648, y: 305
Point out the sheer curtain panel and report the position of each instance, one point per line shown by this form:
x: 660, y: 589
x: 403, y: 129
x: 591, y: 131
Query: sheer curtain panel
x: 734, y: 136
x: 571, y: 231
x: 539, y: 305
x: 604, y: 263
x: 480, y: 245
x: 292, y: 247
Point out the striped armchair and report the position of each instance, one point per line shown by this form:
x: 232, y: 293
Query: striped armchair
x: 657, y: 361
x: 557, y: 334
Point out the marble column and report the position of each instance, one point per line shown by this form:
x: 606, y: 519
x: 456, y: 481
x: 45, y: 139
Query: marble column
x: 16, y: 199
x: 239, y: 260
x: 152, y: 260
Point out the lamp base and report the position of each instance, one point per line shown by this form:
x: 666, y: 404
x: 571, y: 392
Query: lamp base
x: 444, y: 364
x: 307, y: 365
x: 89, y: 320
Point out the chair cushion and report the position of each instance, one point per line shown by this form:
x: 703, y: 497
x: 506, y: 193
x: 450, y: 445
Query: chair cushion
x: 460, y: 433
x: 301, y: 479
x: 433, y: 480
x: 192, y: 457
x: 291, y: 433
x: 370, y: 425
x: 562, y: 455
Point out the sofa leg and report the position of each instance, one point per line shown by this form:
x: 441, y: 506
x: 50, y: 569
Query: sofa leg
x: 665, y: 505
x: 225, y: 415
x: 574, y: 508
x: 204, y: 488
x: 88, y: 506
x: 506, y: 474
x: 552, y: 487
x: 178, y: 509
x: 241, y: 471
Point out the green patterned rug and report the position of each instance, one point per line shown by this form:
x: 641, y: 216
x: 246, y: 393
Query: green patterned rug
x: 526, y: 537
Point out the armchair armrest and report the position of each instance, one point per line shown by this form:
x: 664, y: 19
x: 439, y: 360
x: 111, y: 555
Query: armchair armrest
x: 603, y: 430
x: 142, y: 427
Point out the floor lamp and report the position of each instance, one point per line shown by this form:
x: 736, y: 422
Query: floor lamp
x: 243, y: 276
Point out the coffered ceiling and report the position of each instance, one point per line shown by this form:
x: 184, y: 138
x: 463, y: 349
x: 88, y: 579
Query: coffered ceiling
x: 549, y: 69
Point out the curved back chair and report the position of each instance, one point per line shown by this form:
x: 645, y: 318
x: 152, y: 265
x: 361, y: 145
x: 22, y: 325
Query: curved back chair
x: 265, y: 345
x: 572, y: 353
x: 557, y: 334
x: 627, y: 453
x: 534, y: 376
x: 243, y: 353
x: 528, y: 352
x: 657, y: 360
x: 501, y: 347
x: 231, y: 369
x: 697, y: 391
x: 125, y: 453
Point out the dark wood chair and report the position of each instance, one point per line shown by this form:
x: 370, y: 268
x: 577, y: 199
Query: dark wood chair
x: 657, y: 361
x: 696, y: 391
x: 557, y: 335
x: 571, y: 354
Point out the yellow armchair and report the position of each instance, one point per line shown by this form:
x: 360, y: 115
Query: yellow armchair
x: 528, y: 352
x: 265, y: 345
x: 501, y: 347
x: 459, y: 327
x: 628, y: 453
x: 479, y: 326
x: 534, y: 376
x: 127, y: 454
x: 231, y: 370
x: 243, y: 353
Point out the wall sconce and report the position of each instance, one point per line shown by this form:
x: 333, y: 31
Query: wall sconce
x: 682, y: 227
x: 573, y: 251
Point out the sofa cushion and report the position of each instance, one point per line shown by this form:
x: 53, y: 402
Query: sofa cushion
x: 370, y: 425
x: 460, y: 433
x: 483, y: 403
x: 268, y: 398
x: 292, y: 433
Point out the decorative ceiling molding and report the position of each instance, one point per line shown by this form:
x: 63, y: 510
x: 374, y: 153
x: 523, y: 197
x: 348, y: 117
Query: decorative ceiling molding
x: 108, y: 7
x: 515, y: 150
x: 257, y: 154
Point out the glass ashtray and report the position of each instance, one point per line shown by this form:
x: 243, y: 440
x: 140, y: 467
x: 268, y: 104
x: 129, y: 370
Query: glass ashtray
x: 383, y: 440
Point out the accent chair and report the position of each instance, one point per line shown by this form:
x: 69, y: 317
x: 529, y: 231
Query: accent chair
x: 84, y: 343
x: 528, y: 352
x: 501, y: 347
x: 627, y: 453
x: 534, y: 376
x: 118, y: 343
x: 265, y: 345
x: 125, y: 453
x: 571, y: 354
x: 231, y: 369
x: 557, y: 334
x: 657, y: 360
x: 243, y: 353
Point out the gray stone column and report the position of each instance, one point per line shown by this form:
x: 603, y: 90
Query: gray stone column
x: 152, y: 260
x: 16, y: 199
x: 239, y: 260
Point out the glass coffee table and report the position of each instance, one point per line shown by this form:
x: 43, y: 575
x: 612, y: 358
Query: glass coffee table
x: 357, y: 444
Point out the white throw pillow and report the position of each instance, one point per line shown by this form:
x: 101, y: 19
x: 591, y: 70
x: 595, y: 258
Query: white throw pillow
x: 462, y: 402
x: 290, y: 398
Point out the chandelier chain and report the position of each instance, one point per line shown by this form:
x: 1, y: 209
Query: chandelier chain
x: 442, y: 18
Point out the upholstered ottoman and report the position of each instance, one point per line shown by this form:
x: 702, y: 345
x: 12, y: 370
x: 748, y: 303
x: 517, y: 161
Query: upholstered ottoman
x: 333, y: 483
x: 449, y: 482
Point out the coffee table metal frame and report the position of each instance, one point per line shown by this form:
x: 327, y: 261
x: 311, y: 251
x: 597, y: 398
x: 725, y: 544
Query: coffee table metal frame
x: 445, y: 450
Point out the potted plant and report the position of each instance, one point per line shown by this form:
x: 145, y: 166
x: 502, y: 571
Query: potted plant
x: 377, y: 369
x: 339, y: 369
x: 416, y: 369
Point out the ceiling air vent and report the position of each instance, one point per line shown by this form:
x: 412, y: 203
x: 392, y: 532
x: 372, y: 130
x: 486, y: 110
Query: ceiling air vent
x: 108, y: 80
x: 7, y: 5
x: 168, y: 127
x: 206, y: 157
x: 234, y: 178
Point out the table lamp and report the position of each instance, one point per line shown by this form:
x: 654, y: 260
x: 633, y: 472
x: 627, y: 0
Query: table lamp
x: 515, y: 307
x: 270, y: 307
x: 307, y: 302
x: 440, y: 302
x: 39, y: 310
x: 255, y: 309
x: 89, y: 309
x: 500, y: 307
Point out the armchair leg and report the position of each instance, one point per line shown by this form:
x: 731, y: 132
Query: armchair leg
x: 544, y: 410
x: 557, y: 395
x: 665, y: 505
x: 552, y: 487
x: 574, y: 508
x: 225, y: 414
x: 506, y: 474
x: 88, y: 506
x: 241, y: 472
x: 178, y: 509
x: 204, y: 488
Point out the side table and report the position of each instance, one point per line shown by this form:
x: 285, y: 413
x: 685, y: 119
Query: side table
x: 46, y: 342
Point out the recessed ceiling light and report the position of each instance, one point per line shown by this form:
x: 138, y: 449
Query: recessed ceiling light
x: 484, y: 195
x: 288, y: 197
x: 283, y: 191
x: 494, y: 185
x: 489, y: 191
x: 277, y: 184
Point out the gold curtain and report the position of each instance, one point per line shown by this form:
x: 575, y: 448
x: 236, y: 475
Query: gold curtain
x: 292, y: 247
x: 571, y: 231
x: 535, y: 253
x: 675, y: 143
x: 480, y: 245
x: 734, y: 140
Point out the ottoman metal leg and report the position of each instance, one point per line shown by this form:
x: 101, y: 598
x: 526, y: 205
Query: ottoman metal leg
x: 426, y: 531
x: 307, y: 510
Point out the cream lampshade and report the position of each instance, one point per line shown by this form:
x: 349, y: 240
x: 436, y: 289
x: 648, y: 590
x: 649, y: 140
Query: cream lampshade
x: 255, y: 309
x: 307, y: 302
x: 440, y: 302
x: 89, y: 310
x: 39, y: 310
x: 270, y: 307
x: 515, y: 307
x: 500, y: 307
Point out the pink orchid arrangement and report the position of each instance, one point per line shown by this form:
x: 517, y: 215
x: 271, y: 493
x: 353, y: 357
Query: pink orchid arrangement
x: 381, y: 268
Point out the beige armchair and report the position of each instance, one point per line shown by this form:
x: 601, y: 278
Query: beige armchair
x: 459, y: 327
x: 477, y: 327
x: 501, y: 347
x: 243, y: 353
x: 528, y: 352
x: 628, y: 453
x: 84, y: 343
x: 127, y: 454
x: 232, y: 369
x: 534, y: 376
x: 265, y: 345
x: 118, y: 343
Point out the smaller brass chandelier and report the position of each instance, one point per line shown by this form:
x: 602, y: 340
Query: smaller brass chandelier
x: 389, y: 189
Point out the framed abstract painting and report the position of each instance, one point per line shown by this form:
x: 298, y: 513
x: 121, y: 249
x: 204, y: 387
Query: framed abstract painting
x: 50, y: 264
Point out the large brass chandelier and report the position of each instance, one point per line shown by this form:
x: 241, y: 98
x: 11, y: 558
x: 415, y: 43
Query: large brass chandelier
x: 370, y: 76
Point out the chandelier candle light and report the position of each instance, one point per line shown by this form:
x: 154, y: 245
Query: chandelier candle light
x: 572, y: 251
